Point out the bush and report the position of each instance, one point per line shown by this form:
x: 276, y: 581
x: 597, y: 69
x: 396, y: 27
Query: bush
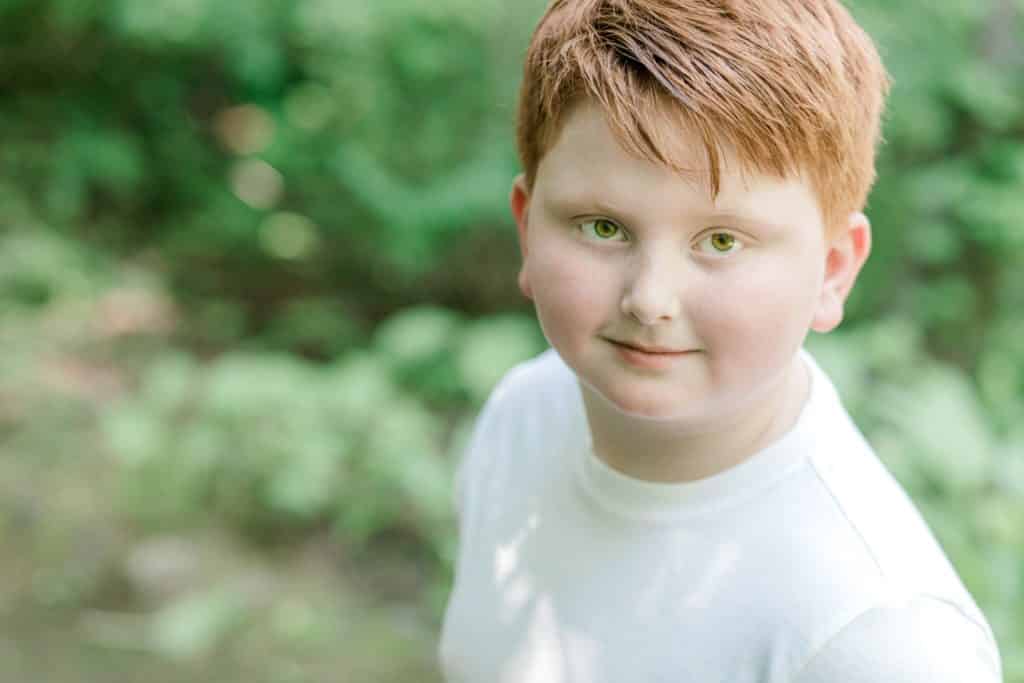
x: 270, y: 442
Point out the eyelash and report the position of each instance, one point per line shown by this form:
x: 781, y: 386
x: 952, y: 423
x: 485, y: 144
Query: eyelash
x: 738, y: 243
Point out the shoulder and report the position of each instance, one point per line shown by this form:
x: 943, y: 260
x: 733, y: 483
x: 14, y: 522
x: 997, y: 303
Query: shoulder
x: 542, y: 373
x: 900, y: 599
x: 882, y: 522
x: 919, y: 640
x: 533, y: 386
x: 534, y: 403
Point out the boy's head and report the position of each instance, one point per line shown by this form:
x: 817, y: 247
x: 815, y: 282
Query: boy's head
x: 694, y: 171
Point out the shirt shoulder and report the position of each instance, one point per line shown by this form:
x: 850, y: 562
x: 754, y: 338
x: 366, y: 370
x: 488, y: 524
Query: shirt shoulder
x: 921, y: 640
x: 539, y: 376
x: 883, y: 523
x: 538, y: 386
x: 535, y: 401
x: 861, y: 529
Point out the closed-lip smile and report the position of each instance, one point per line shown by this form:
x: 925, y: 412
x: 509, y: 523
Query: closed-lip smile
x: 663, y: 350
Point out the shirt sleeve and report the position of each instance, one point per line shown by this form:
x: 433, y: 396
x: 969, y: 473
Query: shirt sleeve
x: 923, y: 641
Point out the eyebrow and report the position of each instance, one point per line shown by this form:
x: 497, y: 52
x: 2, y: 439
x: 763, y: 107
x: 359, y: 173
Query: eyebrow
x: 584, y: 203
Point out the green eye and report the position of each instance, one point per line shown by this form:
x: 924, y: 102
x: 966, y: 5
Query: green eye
x: 603, y: 229
x: 719, y: 243
x: 722, y: 241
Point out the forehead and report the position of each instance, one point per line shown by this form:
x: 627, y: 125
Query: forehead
x: 588, y: 163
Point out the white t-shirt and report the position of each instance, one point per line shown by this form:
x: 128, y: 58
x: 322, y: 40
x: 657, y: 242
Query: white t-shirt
x: 806, y: 563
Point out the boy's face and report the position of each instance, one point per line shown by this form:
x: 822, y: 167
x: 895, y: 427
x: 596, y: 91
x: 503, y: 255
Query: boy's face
x: 664, y: 302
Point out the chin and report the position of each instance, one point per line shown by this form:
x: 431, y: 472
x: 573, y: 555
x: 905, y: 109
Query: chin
x: 646, y: 405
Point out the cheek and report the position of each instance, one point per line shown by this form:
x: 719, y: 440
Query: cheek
x: 760, y: 316
x: 569, y: 292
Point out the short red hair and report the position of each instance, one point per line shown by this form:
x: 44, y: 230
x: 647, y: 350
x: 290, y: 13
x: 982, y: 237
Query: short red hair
x: 793, y: 86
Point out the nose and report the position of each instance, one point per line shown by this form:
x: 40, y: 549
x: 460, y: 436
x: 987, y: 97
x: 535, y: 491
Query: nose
x: 652, y: 294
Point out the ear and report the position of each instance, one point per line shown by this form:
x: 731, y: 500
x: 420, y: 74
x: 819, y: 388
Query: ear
x: 846, y: 253
x: 519, y: 200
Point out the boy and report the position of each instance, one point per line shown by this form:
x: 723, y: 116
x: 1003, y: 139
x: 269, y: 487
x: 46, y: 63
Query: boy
x: 674, y: 491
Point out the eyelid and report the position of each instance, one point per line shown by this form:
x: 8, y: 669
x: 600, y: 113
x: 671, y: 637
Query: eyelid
x: 728, y: 231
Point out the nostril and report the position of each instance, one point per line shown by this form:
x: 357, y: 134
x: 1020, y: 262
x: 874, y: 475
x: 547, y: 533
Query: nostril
x: 650, y: 304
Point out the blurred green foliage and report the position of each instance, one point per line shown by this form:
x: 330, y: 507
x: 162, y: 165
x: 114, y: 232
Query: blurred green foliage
x: 275, y: 442
x: 282, y: 228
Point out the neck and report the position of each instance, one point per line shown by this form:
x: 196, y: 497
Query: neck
x: 680, y: 451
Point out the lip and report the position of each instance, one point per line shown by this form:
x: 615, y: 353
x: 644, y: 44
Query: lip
x: 651, y: 350
x: 656, y: 358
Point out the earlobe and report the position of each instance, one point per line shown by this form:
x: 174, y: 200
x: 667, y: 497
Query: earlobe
x: 519, y: 202
x: 845, y: 255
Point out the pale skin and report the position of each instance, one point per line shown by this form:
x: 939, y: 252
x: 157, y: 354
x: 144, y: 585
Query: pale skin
x: 681, y: 315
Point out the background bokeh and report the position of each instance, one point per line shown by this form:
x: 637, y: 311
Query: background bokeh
x: 257, y: 274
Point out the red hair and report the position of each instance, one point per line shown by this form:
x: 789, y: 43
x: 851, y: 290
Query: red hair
x: 793, y: 86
